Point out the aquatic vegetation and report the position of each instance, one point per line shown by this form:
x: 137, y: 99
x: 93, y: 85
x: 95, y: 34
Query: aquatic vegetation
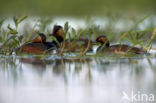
x: 11, y: 39
x: 151, y: 39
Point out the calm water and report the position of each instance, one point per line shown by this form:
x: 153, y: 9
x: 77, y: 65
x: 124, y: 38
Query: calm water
x: 86, y: 80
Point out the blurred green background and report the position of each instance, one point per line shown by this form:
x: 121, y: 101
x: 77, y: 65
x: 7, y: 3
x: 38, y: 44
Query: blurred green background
x: 76, y: 7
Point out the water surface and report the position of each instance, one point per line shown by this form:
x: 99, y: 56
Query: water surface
x: 75, y: 80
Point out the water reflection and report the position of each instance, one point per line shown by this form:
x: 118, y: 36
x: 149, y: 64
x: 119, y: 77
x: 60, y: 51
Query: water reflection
x: 86, y: 80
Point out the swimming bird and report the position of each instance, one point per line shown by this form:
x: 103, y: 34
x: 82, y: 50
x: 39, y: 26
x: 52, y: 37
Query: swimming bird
x: 39, y: 45
x: 117, y: 48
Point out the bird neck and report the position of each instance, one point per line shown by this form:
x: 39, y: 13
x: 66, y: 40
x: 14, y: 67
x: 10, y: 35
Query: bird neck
x: 107, y: 44
x: 58, y: 41
x: 59, y: 38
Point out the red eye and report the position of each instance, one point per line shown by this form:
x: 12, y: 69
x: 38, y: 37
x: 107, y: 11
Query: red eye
x: 57, y: 32
x: 41, y: 41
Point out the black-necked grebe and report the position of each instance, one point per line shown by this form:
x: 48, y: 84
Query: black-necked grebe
x: 118, y: 48
x: 39, y: 44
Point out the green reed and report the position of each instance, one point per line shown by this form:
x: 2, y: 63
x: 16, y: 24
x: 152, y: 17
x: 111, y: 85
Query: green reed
x: 11, y: 39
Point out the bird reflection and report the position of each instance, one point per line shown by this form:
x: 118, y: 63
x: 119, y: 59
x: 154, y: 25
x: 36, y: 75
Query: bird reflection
x: 58, y: 66
x: 83, y: 71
